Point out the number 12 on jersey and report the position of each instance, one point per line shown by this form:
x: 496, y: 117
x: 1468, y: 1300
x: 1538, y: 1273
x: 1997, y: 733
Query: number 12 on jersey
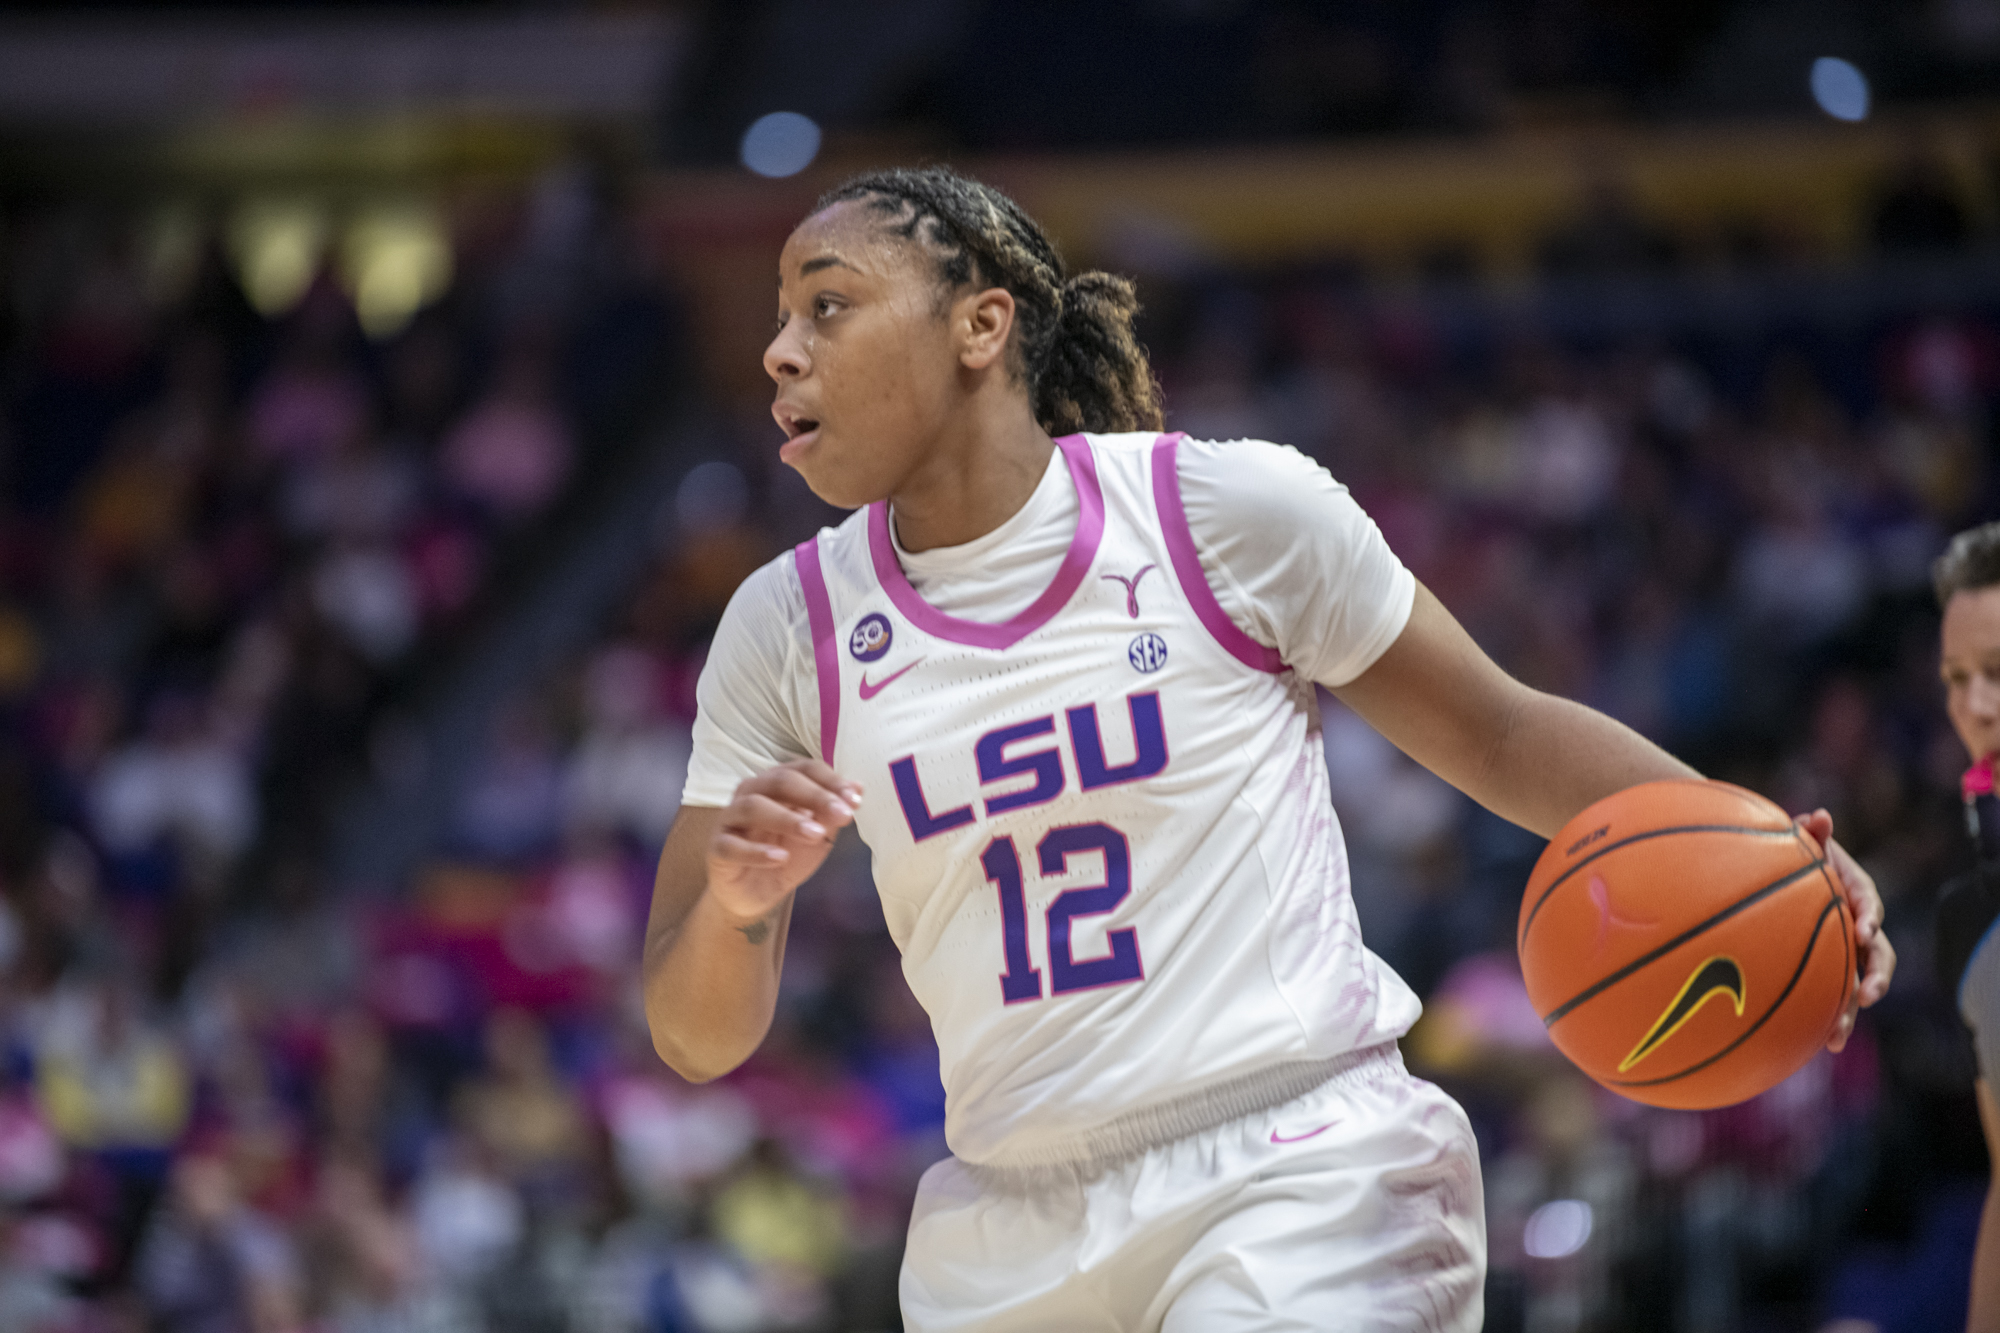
x: 1023, y: 980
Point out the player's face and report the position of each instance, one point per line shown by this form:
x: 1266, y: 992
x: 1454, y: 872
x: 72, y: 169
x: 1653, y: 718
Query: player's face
x: 1970, y: 664
x: 866, y: 370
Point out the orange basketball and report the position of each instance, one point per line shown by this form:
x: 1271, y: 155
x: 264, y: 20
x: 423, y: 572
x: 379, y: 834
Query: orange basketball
x: 1685, y: 944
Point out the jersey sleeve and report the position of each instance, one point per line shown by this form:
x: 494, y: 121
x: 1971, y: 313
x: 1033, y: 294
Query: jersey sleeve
x: 1293, y: 560
x: 756, y: 700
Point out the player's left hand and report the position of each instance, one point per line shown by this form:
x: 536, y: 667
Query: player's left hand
x: 1871, y: 942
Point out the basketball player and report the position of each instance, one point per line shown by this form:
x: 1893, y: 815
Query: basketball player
x: 1074, y: 677
x: 1967, y: 577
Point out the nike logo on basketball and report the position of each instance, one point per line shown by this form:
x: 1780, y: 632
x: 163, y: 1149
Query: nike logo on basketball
x: 1715, y: 976
x: 1131, y: 588
x: 1276, y: 1137
x: 870, y: 691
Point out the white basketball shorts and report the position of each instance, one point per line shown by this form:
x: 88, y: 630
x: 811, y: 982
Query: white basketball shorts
x: 1356, y: 1207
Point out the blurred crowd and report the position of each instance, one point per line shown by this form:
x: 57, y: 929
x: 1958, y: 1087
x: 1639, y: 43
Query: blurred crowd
x: 229, y: 1097
x: 1000, y: 76
x: 238, y: 1095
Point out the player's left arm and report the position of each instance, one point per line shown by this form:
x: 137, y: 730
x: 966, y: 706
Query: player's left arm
x: 1537, y: 759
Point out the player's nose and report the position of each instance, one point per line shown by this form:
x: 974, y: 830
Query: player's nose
x: 786, y: 357
x: 1982, y: 700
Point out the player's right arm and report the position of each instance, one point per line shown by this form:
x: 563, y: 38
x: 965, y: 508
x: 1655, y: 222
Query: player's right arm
x: 722, y: 905
x: 756, y: 820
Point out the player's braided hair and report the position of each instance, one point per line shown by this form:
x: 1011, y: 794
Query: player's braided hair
x: 1075, y: 348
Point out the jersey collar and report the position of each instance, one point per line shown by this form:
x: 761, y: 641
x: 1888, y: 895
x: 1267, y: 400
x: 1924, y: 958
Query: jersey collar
x: 1076, y: 563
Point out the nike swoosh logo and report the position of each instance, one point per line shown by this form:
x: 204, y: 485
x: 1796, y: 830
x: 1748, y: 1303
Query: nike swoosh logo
x: 1719, y: 975
x: 870, y: 691
x: 1276, y: 1137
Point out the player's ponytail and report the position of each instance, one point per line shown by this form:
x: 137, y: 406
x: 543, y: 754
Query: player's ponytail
x: 1076, y: 350
x: 1097, y: 377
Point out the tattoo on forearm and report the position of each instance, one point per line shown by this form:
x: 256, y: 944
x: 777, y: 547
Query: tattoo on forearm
x: 757, y: 931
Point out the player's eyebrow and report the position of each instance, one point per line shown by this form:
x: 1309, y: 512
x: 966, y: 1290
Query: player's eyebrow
x: 812, y: 266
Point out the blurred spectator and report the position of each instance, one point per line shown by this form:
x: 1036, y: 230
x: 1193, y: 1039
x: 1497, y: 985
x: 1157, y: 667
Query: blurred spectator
x: 368, y: 1107
x: 1217, y: 395
x: 526, y: 1118
x: 1562, y: 1202
x: 212, y: 1264
x: 513, y: 806
x: 672, y: 1139
x: 312, y: 404
x: 31, y: 1156
x: 109, y: 1080
x: 1798, y: 579
x: 33, y: 1299
x: 363, y: 1268
x: 1667, y: 672
x: 1395, y: 817
x: 468, y: 1218
x: 1569, y: 459
x: 1917, y: 208
x: 1609, y: 236
x: 511, y: 451
x: 175, y: 784
x: 362, y: 492
x: 787, y: 1228
x: 365, y: 593
x: 423, y: 384
x: 135, y: 502
x: 594, y: 909
x: 627, y: 772
x: 1947, y: 364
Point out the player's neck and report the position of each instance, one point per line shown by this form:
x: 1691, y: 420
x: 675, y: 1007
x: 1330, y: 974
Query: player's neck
x: 977, y: 478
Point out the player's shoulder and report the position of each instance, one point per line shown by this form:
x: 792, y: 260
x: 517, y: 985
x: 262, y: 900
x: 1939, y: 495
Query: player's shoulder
x: 1249, y: 460
x: 1256, y: 481
x: 770, y: 600
x: 1245, y: 466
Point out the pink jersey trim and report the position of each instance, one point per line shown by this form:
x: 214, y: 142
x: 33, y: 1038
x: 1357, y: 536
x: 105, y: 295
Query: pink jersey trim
x: 826, y: 651
x: 1076, y: 563
x: 1187, y: 562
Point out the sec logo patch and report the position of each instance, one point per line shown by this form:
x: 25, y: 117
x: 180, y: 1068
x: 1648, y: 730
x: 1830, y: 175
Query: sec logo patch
x: 871, y: 638
x: 1147, y: 654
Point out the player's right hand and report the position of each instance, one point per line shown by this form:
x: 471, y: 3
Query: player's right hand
x: 774, y: 833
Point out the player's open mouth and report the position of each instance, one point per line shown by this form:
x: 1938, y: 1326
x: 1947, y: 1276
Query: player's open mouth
x: 800, y: 431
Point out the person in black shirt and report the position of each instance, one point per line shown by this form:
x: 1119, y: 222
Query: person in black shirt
x: 1968, y: 946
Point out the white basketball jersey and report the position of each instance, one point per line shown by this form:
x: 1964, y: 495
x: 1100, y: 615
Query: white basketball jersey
x: 1101, y: 830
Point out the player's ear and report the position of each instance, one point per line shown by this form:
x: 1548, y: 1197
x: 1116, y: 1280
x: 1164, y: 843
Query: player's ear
x: 984, y: 321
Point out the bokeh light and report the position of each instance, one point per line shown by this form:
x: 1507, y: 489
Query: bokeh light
x: 712, y: 495
x: 1557, y: 1229
x: 783, y: 143
x: 277, y: 245
x: 1840, y: 88
x: 395, y: 260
